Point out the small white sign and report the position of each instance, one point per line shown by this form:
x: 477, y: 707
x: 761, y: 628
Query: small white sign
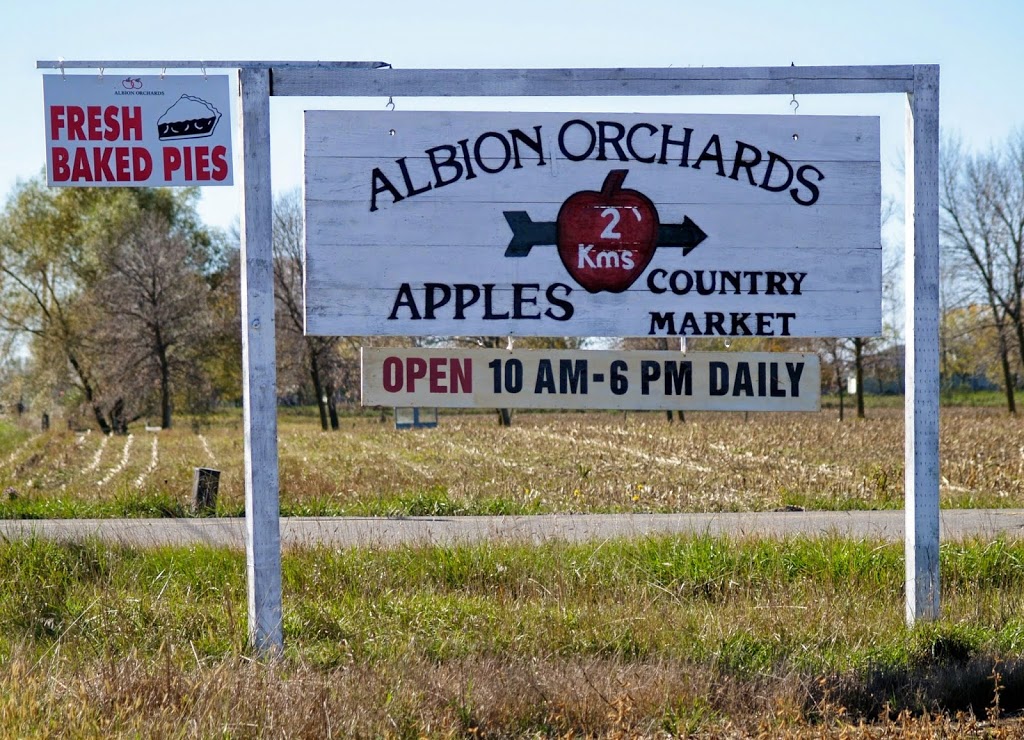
x: 592, y: 224
x: 148, y: 130
x: 591, y: 379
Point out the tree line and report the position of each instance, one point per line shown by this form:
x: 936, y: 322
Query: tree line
x: 119, y: 304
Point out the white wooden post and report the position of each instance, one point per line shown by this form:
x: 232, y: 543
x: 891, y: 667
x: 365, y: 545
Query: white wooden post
x: 259, y: 382
x: 921, y: 270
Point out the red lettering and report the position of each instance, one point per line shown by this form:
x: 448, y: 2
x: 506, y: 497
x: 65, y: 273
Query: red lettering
x: 202, y: 163
x: 113, y: 128
x: 417, y: 371
x: 172, y: 162
x: 437, y: 375
x: 220, y: 163
x: 124, y: 172
x: 393, y: 375
x: 131, y: 119
x: 59, y: 170
x: 142, y: 163
x: 101, y: 164
x: 94, y: 115
x: 76, y: 119
x: 80, y: 169
x: 57, y: 122
x: 462, y: 376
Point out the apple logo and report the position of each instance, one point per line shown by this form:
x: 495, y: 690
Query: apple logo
x: 607, y: 238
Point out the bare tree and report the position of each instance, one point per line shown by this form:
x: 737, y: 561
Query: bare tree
x: 318, y: 356
x: 157, y: 314
x: 982, y: 210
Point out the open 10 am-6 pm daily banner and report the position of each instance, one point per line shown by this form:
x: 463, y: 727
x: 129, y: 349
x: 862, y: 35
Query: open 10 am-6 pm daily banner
x: 149, y: 130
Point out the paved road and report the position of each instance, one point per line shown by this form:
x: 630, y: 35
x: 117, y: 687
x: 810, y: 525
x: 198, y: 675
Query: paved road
x: 393, y: 532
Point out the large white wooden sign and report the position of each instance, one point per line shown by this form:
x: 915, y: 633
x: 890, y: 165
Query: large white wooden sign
x: 591, y: 379
x: 591, y: 224
x: 148, y: 130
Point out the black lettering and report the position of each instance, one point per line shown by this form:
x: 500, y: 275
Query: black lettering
x: 405, y: 299
x: 713, y: 321
x: 739, y: 324
x: 464, y: 145
x: 519, y: 299
x: 679, y: 378
x: 785, y: 322
x: 745, y: 164
x: 518, y: 137
x: 566, y: 307
x: 489, y: 314
x: 545, y: 377
x: 650, y: 371
x: 629, y: 142
x: 684, y: 156
x: 703, y: 289
x: 730, y: 276
x: 466, y: 294
x: 437, y: 295
x: 690, y: 326
x: 590, y: 146
x: 718, y: 378
x: 811, y: 187
x: 776, y: 391
x: 410, y: 189
x: 657, y: 272
x: 716, y: 157
x: 776, y: 283
x: 381, y: 184
x: 744, y: 383
x: 795, y: 370
x: 766, y: 181
x: 572, y: 376
x: 505, y: 147
x: 797, y: 278
x: 449, y: 162
x: 665, y: 322
x: 604, y: 140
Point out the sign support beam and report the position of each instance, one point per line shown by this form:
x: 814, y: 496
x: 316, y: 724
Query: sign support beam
x: 921, y: 274
x: 259, y: 373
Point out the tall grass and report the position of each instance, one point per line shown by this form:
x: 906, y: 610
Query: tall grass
x: 545, y: 463
x: 621, y: 638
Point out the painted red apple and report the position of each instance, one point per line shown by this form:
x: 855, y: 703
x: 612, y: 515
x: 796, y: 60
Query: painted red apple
x: 606, y: 239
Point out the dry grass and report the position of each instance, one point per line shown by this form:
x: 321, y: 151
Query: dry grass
x: 596, y: 462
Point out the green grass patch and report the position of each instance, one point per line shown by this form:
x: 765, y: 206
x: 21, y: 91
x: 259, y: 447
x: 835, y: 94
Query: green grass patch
x: 676, y: 633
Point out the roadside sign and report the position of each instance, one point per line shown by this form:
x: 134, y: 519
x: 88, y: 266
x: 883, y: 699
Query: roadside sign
x: 596, y: 224
x: 146, y: 130
x: 591, y: 379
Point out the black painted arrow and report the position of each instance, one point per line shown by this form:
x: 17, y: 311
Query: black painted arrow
x: 527, y: 234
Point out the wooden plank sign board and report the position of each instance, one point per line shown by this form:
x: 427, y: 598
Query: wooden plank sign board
x: 591, y: 224
x: 591, y: 379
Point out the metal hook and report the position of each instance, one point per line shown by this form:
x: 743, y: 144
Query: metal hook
x: 511, y: 343
x: 794, y: 103
x: 390, y: 104
x: 163, y: 72
x: 60, y: 65
x: 202, y: 66
x: 101, y: 74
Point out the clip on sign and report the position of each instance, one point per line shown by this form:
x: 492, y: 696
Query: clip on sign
x: 155, y: 130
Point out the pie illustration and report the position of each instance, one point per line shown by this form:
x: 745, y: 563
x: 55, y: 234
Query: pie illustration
x: 188, y: 118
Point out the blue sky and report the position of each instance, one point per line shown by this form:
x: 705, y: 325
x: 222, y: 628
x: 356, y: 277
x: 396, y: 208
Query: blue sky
x: 978, y: 46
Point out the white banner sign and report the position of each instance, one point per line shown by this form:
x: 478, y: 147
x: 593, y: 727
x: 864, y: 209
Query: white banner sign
x: 150, y: 130
x: 591, y: 224
x: 591, y: 379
